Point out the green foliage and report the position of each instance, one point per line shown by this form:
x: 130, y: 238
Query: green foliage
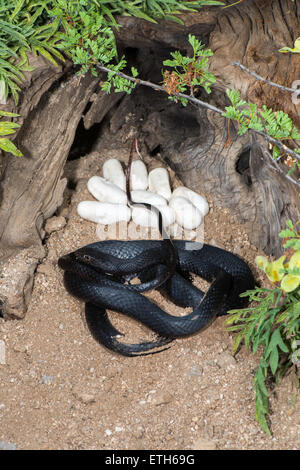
x: 189, y: 72
x: 88, y: 38
x: 292, y: 236
x: 24, y: 27
x: 82, y: 29
x: 272, y: 325
x: 276, y: 124
x: 6, y: 128
x: 154, y: 9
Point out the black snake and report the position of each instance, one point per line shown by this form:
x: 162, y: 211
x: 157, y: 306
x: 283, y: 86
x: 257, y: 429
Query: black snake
x: 100, y: 275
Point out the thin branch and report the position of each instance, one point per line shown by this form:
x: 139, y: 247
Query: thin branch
x: 194, y: 100
x: 232, y: 4
x: 258, y: 77
x: 138, y: 81
x: 279, y: 144
x: 276, y: 167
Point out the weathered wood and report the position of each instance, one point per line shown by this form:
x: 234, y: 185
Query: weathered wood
x: 102, y: 103
x: 252, y: 33
x: 35, y: 85
x: 32, y: 187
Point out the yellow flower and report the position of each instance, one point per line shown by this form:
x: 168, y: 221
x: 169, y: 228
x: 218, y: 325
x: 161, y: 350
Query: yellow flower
x: 290, y: 282
x: 272, y: 269
x: 261, y: 262
x: 295, y: 260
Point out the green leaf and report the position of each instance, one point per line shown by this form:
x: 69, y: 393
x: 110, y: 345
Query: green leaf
x: 286, y: 233
x: 9, y: 147
x: 274, y: 358
x: 18, y: 8
x: 276, y: 340
x: 134, y: 72
x: 140, y: 14
x: 237, y: 341
x: 261, y: 419
x: 261, y: 381
x: 7, y: 128
x: 8, y: 114
x: 45, y: 53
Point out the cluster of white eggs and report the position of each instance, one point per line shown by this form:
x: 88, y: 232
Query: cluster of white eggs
x: 182, y: 206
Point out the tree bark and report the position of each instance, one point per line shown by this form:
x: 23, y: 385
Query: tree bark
x: 32, y: 189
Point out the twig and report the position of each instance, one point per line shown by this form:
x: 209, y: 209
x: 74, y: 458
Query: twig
x: 138, y: 81
x: 137, y: 150
x: 258, y: 77
x: 232, y: 4
x: 279, y: 144
x: 198, y: 103
x: 276, y: 167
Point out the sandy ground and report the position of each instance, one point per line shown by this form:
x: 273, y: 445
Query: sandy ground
x: 59, y: 389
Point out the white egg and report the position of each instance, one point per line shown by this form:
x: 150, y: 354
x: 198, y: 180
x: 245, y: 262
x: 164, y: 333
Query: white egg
x: 113, y: 172
x: 186, y: 214
x: 103, y: 212
x: 138, y: 175
x: 148, y: 197
x: 105, y: 191
x: 195, y: 198
x: 159, y: 182
x: 146, y: 218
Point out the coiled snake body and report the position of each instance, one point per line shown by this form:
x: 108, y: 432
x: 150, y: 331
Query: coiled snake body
x: 100, y: 275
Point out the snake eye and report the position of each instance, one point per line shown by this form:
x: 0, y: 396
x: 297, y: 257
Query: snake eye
x: 83, y: 257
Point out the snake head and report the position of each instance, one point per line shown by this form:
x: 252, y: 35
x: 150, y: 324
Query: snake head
x: 67, y: 261
x: 64, y: 261
x: 82, y: 257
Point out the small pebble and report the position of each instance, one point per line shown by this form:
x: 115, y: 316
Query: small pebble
x: 195, y: 370
x: 84, y: 397
x: 226, y: 360
x: 45, y: 268
x: 55, y: 223
x: 162, y: 398
x: 48, y: 379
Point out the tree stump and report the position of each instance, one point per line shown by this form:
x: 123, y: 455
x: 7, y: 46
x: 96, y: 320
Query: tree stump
x: 201, y: 147
x: 51, y: 107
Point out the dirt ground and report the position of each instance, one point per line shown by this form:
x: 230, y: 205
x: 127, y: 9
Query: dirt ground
x: 59, y: 389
